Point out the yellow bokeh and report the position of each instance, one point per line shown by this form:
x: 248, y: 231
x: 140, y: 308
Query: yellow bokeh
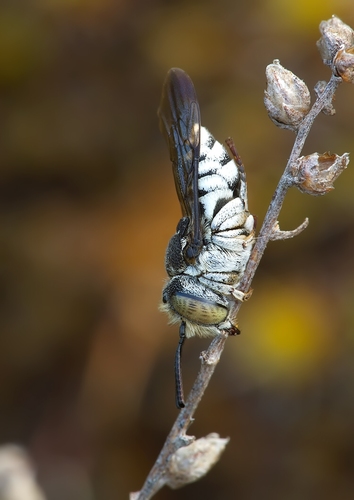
x: 305, y: 14
x: 62, y: 5
x: 302, y: 13
x: 286, y: 336
x: 23, y: 45
x: 174, y: 38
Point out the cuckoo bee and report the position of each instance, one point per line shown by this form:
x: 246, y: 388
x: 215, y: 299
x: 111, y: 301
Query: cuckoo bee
x: 206, y: 257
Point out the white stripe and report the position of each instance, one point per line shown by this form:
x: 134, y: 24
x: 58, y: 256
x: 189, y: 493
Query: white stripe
x: 210, y: 200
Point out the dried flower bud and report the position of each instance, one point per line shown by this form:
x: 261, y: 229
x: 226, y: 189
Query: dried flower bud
x: 343, y: 64
x: 287, y: 98
x: 190, y: 463
x: 335, y: 35
x: 314, y: 174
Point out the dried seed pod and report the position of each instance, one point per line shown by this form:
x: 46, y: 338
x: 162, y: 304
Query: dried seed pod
x: 314, y: 174
x: 287, y: 98
x: 343, y: 64
x: 335, y: 35
x: 190, y: 463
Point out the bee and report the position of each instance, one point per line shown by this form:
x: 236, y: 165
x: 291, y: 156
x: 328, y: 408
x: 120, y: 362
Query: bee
x: 206, y: 257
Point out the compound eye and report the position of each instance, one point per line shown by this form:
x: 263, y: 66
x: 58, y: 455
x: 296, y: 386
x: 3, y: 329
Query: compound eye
x: 197, y: 309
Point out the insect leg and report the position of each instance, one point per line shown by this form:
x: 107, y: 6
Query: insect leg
x: 231, y: 145
x: 178, y: 373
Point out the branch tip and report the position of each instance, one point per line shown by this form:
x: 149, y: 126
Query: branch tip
x: 278, y: 234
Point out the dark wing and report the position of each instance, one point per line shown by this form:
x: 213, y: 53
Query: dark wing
x: 179, y: 116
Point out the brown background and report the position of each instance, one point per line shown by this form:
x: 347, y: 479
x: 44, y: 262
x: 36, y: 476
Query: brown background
x: 87, y: 205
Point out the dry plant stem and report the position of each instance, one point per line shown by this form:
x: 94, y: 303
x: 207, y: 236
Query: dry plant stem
x: 177, y: 437
x: 285, y: 182
x: 277, y: 234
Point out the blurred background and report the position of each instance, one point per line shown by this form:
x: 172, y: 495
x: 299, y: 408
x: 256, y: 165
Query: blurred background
x: 87, y: 206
